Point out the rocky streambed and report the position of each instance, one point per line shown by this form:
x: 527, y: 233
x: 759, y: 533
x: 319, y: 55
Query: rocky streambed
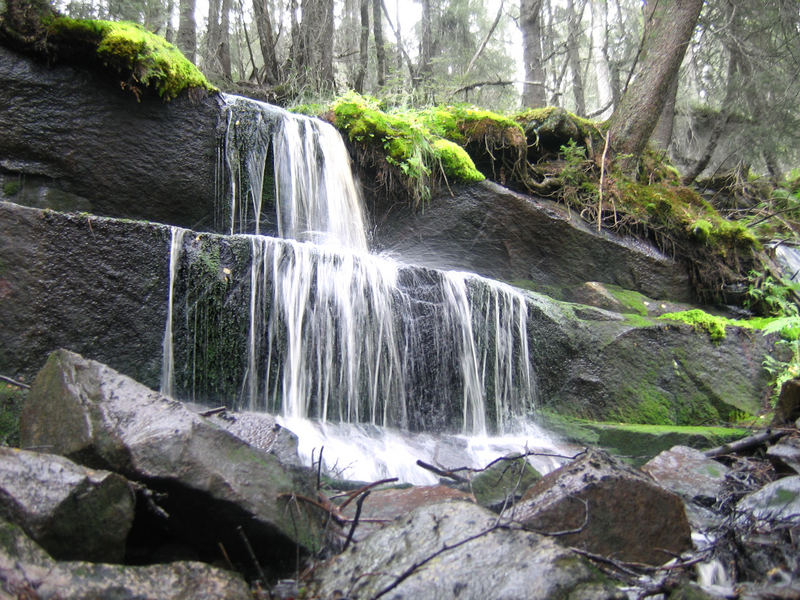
x: 118, y: 491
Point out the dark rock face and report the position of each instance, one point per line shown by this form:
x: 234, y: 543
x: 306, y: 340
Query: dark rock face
x: 787, y: 411
x: 73, y: 512
x: 503, y: 564
x: 99, y: 287
x: 72, y: 140
x: 497, y: 233
x: 601, y: 505
x: 93, y: 285
x: 26, y: 571
x: 89, y: 412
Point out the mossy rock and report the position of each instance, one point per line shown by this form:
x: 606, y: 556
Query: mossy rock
x: 505, y: 480
x: 401, y: 147
x: 142, y: 60
x: 549, y: 128
x: 639, y: 442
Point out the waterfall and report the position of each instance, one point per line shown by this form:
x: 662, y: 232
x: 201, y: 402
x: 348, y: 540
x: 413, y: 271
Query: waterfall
x: 309, y: 325
x: 314, y: 195
x: 167, y: 353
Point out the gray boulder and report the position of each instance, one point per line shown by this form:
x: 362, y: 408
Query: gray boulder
x: 786, y: 452
x: 72, y: 512
x: 688, y: 473
x: 601, y: 505
x: 94, y: 415
x: 26, y: 571
x: 776, y: 501
x: 456, y: 550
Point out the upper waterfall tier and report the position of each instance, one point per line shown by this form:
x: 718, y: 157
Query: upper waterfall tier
x: 310, y: 195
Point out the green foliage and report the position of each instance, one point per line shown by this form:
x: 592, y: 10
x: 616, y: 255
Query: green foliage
x: 12, y: 188
x: 11, y: 400
x: 771, y: 296
x: 142, y: 59
x: 712, y: 324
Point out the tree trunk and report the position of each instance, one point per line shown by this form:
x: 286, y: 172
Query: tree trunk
x: 266, y: 41
x: 21, y: 23
x: 600, y: 57
x: 662, y: 135
x: 380, y: 49
x: 363, y: 47
x: 573, y: 55
x: 668, y: 28
x: 169, y: 30
x: 533, y: 91
x: 425, y: 67
x: 187, y: 30
x: 224, y: 48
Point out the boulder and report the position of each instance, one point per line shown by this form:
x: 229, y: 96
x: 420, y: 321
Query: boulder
x: 262, y: 431
x: 776, y: 501
x: 787, y: 410
x: 213, y: 483
x: 688, y: 473
x: 786, y: 452
x: 26, y: 571
x: 384, y: 506
x: 503, y: 483
x: 457, y: 550
x: 490, y: 230
x: 75, y: 141
x: 601, y: 505
x: 73, y: 512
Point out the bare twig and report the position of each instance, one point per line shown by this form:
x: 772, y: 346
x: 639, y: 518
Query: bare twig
x: 252, y: 554
x: 359, y: 504
x: 14, y: 382
x: 565, y: 531
x: 441, y: 472
x: 213, y: 411
x: 319, y: 467
x: 355, y: 493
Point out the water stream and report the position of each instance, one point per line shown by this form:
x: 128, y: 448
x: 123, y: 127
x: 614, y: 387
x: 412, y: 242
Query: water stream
x: 351, y: 349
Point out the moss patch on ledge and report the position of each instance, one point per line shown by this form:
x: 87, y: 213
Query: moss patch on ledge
x: 141, y: 58
x: 401, y: 147
x: 638, y: 442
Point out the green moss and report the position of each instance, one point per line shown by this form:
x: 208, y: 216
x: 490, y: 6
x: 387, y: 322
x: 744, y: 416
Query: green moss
x: 466, y: 124
x: 701, y: 320
x: 504, y: 480
x: 11, y: 400
x: 456, y: 163
x: 142, y: 59
x: 12, y: 188
x: 402, y: 140
x: 634, y: 302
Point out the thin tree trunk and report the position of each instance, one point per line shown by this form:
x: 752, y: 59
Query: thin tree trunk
x: 169, y: 30
x: 266, y: 41
x: 668, y: 28
x: 363, y: 47
x: 486, y: 39
x: 600, y: 57
x: 187, y: 31
x: 380, y: 49
x: 212, y: 37
x: 573, y: 55
x: 224, y: 48
x: 425, y: 67
x: 533, y: 91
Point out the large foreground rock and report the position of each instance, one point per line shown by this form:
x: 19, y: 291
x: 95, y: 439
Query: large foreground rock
x: 94, y: 415
x: 688, y: 473
x: 73, y: 512
x: 603, y: 506
x: 26, y: 571
x: 75, y: 141
x: 453, y: 550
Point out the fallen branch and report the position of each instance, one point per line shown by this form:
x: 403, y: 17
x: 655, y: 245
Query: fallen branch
x: 746, y: 443
x: 355, y: 493
x: 213, y: 411
x: 10, y: 381
x: 359, y: 504
x: 252, y: 554
x: 441, y: 472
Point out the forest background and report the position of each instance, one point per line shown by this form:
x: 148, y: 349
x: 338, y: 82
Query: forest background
x: 733, y: 104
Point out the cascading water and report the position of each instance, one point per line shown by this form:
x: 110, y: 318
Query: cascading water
x: 314, y: 327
